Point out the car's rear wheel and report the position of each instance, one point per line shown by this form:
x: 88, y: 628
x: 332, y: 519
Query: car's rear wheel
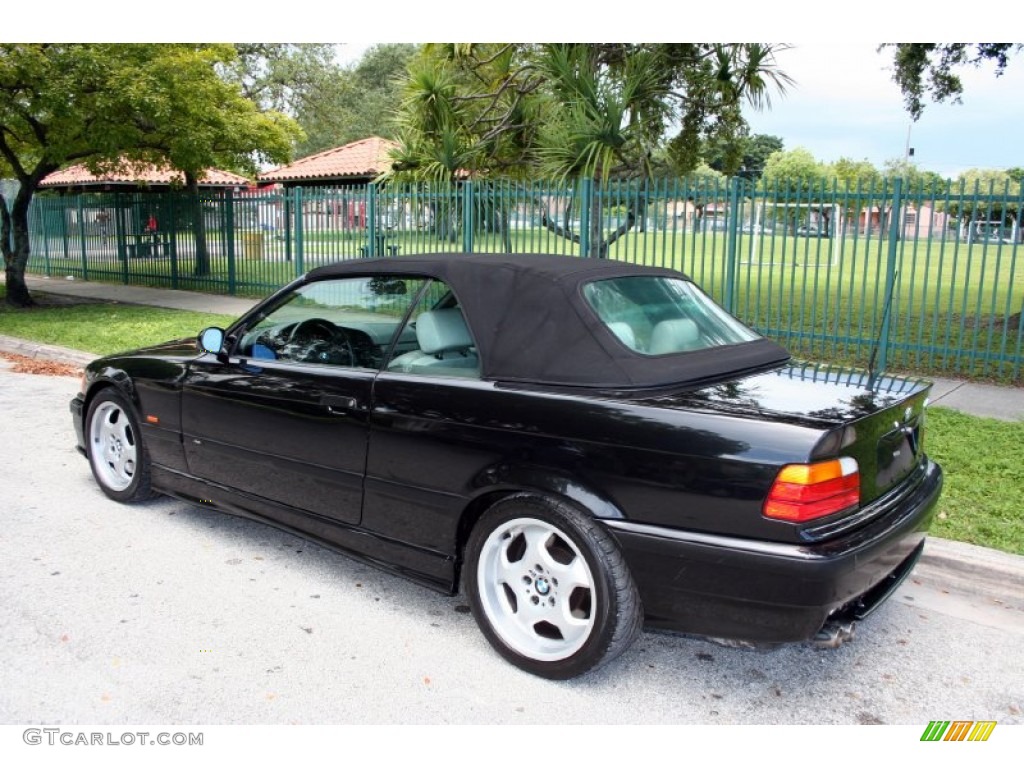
x: 117, y: 455
x: 550, y: 588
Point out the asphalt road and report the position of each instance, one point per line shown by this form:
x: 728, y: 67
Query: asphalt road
x: 170, y: 613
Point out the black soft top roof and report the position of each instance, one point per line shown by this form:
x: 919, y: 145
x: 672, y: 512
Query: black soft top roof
x: 532, y: 325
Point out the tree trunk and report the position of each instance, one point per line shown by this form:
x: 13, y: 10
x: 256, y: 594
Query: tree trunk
x: 16, y: 257
x: 202, y: 267
x: 636, y: 211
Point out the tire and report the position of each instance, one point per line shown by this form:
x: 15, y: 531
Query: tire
x: 550, y: 588
x: 117, y: 453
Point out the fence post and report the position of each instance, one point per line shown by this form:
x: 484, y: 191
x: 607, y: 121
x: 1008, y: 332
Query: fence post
x: 44, y: 231
x: 467, y: 216
x: 731, y: 244
x: 890, y: 274
x: 81, y: 236
x: 300, y: 245
x: 172, y: 244
x: 64, y: 233
x: 586, y: 199
x: 229, y: 236
x: 286, y: 201
x: 371, y: 220
x: 121, y: 230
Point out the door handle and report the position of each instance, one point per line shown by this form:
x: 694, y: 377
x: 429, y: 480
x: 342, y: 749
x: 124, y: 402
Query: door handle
x: 339, y: 404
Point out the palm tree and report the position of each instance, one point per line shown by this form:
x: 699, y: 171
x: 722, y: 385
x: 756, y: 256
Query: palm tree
x: 574, y: 111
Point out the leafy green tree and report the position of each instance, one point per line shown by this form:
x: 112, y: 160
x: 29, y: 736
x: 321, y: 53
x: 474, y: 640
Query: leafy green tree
x: 931, y: 69
x: 746, y: 157
x: 803, y: 186
x: 794, y: 169
x: 283, y: 77
x: 104, y: 104
x: 853, y: 174
x: 576, y: 111
x: 988, y: 196
x: 916, y: 180
x: 357, y: 101
x: 1017, y: 174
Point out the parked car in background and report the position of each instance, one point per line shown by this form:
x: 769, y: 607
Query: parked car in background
x: 583, y: 446
x: 810, y: 230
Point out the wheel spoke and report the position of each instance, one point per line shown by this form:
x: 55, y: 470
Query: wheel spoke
x: 536, y: 539
x: 504, y: 570
x: 573, y: 629
x: 572, y: 574
x: 124, y: 432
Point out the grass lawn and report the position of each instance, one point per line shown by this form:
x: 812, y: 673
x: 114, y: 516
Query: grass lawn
x: 101, y: 327
x: 981, y: 500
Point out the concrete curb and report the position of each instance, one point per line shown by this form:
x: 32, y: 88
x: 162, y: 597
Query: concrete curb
x: 972, y: 570
x: 35, y: 350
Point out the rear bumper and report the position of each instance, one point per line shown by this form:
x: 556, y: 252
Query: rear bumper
x: 769, y: 592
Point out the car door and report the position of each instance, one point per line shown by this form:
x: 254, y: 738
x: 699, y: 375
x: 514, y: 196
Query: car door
x: 425, y: 447
x: 284, y: 416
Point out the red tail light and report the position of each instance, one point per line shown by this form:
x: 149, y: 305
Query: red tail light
x: 803, y: 492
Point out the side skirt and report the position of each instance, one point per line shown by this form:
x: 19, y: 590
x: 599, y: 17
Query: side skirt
x: 429, y: 568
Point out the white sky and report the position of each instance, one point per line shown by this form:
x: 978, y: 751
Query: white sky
x: 843, y: 104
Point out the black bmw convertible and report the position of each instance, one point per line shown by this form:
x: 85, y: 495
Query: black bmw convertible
x: 585, y: 447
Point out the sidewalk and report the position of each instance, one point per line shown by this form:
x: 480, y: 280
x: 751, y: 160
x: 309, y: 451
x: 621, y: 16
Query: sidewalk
x: 136, y: 294
x: 1006, y: 403
x: 978, y: 572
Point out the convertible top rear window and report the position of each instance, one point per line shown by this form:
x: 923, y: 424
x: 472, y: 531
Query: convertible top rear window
x: 656, y: 315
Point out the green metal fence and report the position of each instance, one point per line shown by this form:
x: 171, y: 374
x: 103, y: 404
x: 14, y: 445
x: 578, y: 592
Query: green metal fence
x: 910, y: 279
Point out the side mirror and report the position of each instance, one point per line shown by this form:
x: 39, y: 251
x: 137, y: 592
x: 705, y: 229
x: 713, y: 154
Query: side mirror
x: 212, y: 340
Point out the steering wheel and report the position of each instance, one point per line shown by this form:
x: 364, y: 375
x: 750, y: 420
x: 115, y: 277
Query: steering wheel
x: 315, y: 340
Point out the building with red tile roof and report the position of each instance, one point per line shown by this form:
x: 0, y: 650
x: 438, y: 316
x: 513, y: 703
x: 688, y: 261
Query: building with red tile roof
x: 356, y: 163
x: 78, y: 178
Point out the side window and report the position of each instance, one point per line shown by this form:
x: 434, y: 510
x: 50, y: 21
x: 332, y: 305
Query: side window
x: 661, y: 315
x: 347, y: 322
x: 436, y: 341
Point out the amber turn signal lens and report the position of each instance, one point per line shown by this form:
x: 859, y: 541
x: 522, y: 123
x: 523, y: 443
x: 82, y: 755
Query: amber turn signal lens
x: 803, y: 492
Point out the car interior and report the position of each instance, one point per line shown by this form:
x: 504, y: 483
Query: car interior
x: 342, y: 327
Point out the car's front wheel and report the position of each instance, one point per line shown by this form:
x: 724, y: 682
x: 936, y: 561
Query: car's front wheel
x: 117, y: 455
x: 550, y: 588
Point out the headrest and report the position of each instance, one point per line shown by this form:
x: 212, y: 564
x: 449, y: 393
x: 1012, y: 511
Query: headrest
x: 442, y: 330
x: 679, y: 335
x: 624, y: 332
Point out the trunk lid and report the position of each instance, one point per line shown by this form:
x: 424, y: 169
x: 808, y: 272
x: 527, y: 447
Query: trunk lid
x: 878, y: 420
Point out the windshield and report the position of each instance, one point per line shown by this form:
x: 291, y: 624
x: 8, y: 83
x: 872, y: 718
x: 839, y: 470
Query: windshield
x: 663, y: 315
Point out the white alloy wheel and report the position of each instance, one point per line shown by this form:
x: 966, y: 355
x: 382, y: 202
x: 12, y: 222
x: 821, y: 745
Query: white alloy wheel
x: 117, y: 453
x: 549, y: 587
x: 113, y: 446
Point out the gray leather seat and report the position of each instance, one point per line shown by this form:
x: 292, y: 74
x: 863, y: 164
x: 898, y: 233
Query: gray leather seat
x: 624, y: 333
x: 679, y: 335
x: 445, y: 346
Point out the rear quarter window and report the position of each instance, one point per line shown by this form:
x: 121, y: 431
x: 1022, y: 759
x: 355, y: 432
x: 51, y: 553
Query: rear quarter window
x: 655, y: 316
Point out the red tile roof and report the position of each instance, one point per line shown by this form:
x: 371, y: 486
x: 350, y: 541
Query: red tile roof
x: 80, y: 176
x: 366, y: 157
